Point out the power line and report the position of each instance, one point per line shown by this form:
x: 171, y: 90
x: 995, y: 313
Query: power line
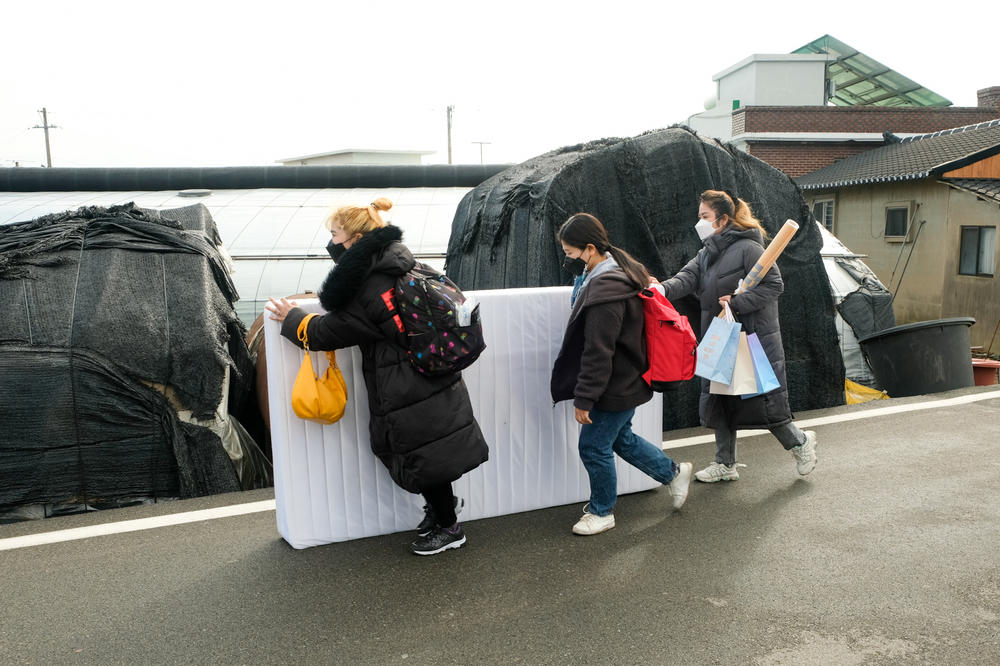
x: 481, y: 144
x: 45, y: 126
x: 451, y: 109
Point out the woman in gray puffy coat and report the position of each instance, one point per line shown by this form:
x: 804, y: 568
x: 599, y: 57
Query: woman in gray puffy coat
x: 733, y: 242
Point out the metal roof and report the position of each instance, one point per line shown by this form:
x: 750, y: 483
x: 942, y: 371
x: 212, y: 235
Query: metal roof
x: 348, y: 151
x: 861, y: 80
x: 911, y: 158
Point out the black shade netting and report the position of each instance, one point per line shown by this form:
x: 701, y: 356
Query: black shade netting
x: 645, y: 190
x: 146, y: 297
x: 79, y: 432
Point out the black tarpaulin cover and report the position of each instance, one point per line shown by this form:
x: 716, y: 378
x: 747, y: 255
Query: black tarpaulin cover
x: 645, y: 190
x: 101, y: 307
x: 869, y: 309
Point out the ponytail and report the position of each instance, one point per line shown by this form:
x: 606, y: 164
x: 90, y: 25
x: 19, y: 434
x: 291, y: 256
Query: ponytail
x: 633, y: 268
x: 724, y: 202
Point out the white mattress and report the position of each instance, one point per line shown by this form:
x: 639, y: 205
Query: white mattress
x: 328, y: 486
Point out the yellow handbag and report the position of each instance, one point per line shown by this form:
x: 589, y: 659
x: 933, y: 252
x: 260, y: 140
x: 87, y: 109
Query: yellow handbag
x: 314, y: 398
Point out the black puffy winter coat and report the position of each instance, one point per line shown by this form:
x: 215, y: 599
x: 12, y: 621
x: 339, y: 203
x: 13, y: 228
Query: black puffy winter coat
x: 715, y: 271
x: 422, y: 428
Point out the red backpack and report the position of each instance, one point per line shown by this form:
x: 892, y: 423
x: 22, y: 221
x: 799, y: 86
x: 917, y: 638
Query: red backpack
x: 670, y: 342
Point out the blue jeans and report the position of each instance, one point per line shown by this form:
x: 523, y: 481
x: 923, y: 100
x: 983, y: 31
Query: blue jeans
x: 610, y: 433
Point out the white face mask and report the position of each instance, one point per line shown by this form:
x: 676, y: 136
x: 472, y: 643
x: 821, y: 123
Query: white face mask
x: 704, y: 229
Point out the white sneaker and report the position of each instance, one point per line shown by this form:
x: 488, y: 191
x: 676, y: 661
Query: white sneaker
x: 679, y: 485
x: 590, y: 524
x: 805, y: 455
x: 717, y: 472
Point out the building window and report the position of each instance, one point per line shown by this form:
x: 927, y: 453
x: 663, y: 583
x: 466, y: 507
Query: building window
x: 977, y: 251
x: 895, y: 220
x: 823, y: 212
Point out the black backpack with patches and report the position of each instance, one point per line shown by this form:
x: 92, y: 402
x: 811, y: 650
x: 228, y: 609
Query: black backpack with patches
x: 442, y: 327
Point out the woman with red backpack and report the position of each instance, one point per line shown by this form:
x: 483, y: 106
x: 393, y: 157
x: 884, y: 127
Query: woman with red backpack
x: 600, y: 367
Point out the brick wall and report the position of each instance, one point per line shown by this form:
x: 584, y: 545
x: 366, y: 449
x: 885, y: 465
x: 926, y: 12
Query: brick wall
x: 739, y: 122
x: 797, y: 159
x: 989, y: 98
x: 875, y: 119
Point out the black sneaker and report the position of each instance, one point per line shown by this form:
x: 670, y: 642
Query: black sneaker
x: 439, y: 539
x: 430, y: 519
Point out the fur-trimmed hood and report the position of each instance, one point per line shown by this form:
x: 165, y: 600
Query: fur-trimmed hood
x: 378, y: 251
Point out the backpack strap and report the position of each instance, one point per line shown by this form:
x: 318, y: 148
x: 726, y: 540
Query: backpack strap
x: 390, y: 305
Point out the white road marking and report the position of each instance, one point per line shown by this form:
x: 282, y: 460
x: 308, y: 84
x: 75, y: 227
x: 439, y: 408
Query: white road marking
x: 72, y: 534
x: 134, y: 525
x: 840, y: 418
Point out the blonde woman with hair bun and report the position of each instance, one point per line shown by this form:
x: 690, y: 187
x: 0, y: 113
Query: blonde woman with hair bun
x: 733, y: 240
x: 422, y: 427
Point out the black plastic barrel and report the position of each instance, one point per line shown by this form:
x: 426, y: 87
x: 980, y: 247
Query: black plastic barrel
x: 923, y: 357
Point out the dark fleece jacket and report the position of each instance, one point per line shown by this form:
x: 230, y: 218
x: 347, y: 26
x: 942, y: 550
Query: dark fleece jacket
x: 422, y: 428
x: 603, y: 354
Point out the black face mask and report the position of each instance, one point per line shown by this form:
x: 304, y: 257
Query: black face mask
x: 575, y: 266
x: 336, y: 250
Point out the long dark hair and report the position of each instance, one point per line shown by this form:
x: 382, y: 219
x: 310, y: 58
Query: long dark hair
x: 583, y: 229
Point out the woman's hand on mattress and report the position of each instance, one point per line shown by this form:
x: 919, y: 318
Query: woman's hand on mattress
x: 279, y: 309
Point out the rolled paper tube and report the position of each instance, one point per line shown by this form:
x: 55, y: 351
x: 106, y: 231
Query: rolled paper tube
x: 770, y: 255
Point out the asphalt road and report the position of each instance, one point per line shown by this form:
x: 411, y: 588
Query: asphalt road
x: 888, y: 553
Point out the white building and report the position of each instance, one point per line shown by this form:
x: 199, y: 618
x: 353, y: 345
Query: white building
x: 762, y: 80
x: 358, y: 156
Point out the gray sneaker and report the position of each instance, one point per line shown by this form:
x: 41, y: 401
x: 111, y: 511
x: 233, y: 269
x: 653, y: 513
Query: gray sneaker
x: 679, y: 485
x: 717, y: 472
x: 805, y: 455
x: 439, y: 540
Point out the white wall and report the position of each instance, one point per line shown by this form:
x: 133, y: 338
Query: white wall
x: 763, y: 80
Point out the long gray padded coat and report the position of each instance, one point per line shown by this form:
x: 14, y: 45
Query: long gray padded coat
x: 422, y: 428
x: 716, y: 270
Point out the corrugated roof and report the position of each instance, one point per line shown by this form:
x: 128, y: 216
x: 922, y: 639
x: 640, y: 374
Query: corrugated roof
x: 911, y: 158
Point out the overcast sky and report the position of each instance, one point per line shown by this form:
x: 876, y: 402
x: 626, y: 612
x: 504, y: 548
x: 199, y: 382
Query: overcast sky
x: 247, y: 83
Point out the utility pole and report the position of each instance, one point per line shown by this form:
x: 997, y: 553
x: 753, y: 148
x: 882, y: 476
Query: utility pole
x: 481, y: 144
x: 45, y: 126
x: 450, y: 110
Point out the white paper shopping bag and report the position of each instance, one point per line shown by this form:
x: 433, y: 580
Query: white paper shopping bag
x: 744, y: 380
